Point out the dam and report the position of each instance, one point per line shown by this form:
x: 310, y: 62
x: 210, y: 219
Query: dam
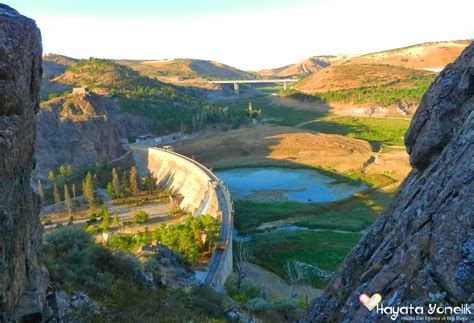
x: 202, y: 192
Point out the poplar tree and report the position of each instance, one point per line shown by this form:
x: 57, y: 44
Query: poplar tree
x: 51, y: 176
x: 88, y: 189
x: 125, y: 189
x: 134, y: 181
x: 67, y: 200
x: 74, y: 192
x: 57, y: 197
x: 116, y: 220
x: 116, y: 182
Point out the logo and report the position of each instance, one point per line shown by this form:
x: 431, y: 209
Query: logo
x: 370, y: 302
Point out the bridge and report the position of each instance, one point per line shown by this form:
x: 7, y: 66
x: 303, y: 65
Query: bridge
x: 237, y: 82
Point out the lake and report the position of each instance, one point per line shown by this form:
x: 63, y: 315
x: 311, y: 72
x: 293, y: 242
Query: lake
x: 274, y: 184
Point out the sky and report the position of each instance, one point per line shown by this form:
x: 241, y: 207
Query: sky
x: 247, y: 34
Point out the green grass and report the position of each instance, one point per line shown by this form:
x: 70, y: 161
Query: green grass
x: 389, y: 131
x: 322, y: 250
x: 249, y: 215
x: 353, y: 214
x: 273, y: 113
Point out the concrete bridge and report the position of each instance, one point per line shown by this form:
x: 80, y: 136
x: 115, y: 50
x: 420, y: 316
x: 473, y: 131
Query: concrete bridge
x: 203, y: 192
x: 237, y: 82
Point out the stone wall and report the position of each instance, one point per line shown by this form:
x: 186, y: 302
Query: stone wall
x: 23, y: 280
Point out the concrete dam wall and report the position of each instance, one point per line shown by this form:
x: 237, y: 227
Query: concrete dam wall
x: 203, y: 193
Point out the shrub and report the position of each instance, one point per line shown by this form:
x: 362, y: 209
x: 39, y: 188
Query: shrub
x: 140, y: 217
x: 205, y: 300
x: 259, y: 305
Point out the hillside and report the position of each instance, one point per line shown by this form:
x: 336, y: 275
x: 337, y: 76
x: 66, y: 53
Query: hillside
x: 365, y: 89
x: 300, y: 69
x: 350, y: 76
x: 432, y: 56
x: 80, y: 129
x: 54, y: 64
x: 188, y: 68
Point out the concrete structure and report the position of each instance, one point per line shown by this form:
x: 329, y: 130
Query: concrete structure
x: 237, y: 82
x: 203, y: 193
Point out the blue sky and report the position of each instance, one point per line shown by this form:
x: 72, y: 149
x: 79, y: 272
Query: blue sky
x: 243, y: 33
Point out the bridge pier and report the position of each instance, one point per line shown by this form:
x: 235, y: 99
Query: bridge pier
x: 285, y: 85
x: 236, y: 88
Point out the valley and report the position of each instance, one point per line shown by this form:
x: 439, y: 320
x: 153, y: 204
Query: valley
x: 309, y: 168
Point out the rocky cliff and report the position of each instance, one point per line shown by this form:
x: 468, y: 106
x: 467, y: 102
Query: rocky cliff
x: 23, y: 280
x: 82, y: 128
x: 421, y: 250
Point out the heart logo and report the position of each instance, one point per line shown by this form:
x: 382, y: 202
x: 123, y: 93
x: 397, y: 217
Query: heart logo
x: 370, y: 302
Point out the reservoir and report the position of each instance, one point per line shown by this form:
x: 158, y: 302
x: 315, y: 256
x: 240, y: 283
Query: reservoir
x: 274, y: 184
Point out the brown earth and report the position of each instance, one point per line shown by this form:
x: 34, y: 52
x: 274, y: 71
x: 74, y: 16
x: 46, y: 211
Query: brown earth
x: 299, y: 69
x: 434, y: 55
x: 276, y: 145
x: 392, y: 161
x: 351, y: 76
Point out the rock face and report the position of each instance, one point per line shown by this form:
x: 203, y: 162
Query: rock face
x: 23, y: 280
x: 82, y: 128
x: 423, y: 244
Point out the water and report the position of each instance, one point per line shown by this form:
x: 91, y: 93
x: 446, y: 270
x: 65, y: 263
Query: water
x: 273, y: 184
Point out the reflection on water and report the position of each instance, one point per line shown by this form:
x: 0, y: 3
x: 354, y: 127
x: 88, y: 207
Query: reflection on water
x: 273, y: 184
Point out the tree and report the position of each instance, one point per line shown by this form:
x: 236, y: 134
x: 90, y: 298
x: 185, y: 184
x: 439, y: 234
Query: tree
x: 57, y: 197
x: 242, y: 258
x: 88, y: 189
x: 208, y: 229
x: 67, y: 200
x: 125, y: 189
x: 62, y: 173
x: 140, y: 217
x: 116, y: 221
x: 134, y: 181
x: 105, y: 215
x: 51, y: 176
x: 40, y: 191
x: 149, y: 181
x: 110, y: 190
x: 74, y: 192
x: 116, y: 182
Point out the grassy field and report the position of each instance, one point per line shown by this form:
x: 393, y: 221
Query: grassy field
x: 322, y: 252
x: 322, y: 249
x: 273, y: 113
x: 389, y: 131
x: 353, y: 214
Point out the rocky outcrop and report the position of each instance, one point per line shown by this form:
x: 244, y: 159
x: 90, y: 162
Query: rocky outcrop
x: 82, y: 128
x: 23, y: 280
x: 421, y: 250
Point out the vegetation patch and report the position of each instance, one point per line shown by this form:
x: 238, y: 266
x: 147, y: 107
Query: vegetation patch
x: 389, y: 131
x: 76, y: 263
x: 273, y: 113
x: 320, y: 252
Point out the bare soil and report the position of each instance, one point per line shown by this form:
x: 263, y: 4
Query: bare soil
x: 276, y: 146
